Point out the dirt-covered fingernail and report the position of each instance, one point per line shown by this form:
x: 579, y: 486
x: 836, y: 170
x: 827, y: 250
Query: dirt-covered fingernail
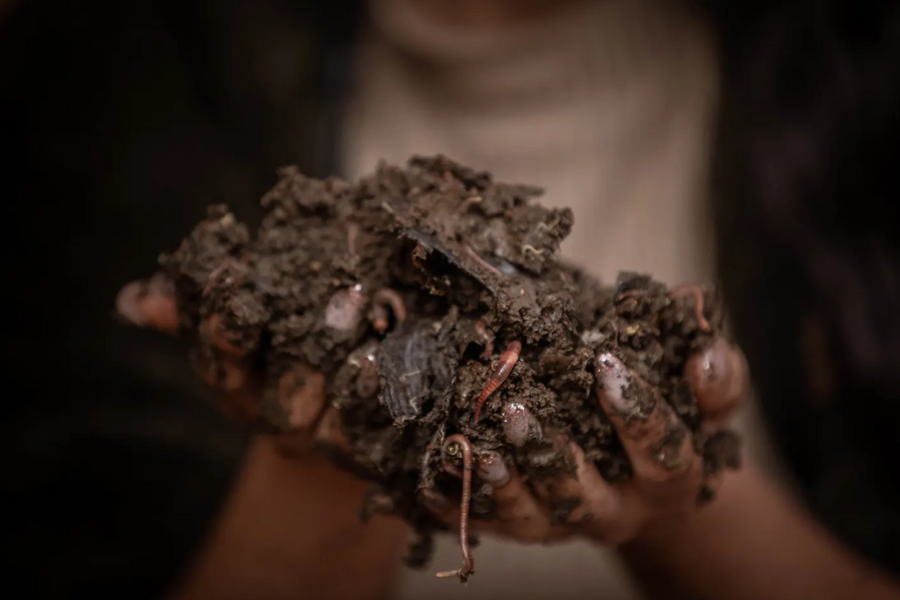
x: 719, y: 378
x: 492, y: 469
x: 128, y: 303
x: 519, y: 425
x: 344, y: 311
x: 144, y: 304
x: 614, y: 382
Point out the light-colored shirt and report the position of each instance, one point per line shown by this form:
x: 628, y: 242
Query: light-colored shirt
x: 609, y: 106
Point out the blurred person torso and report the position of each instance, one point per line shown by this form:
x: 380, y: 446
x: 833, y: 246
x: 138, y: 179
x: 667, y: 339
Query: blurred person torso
x: 607, y: 105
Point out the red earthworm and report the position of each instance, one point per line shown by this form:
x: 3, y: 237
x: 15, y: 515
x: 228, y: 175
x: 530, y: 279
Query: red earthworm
x: 452, y: 445
x: 507, y: 361
x: 689, y: 288
x: 481, y: 262
x: 390, y: 298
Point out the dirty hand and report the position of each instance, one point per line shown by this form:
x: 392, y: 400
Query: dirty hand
x: 226, y: 369
x: 668, y: 473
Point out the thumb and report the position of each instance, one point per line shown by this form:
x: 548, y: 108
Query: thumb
x: 149, y: 304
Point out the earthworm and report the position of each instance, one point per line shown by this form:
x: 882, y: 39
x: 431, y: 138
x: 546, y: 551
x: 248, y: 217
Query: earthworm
x: 451, y: 446
x: 481, y: 262
x: 507, y: 361
x: 485, y: 338
x: 695, y: 291
x: 390, y: 298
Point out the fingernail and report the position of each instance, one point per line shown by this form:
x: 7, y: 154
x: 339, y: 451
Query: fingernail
x: 519, y: 425
x: 615, y: 382
x: 128, y: 303
x: 718, y: 375
x: 492, y: 469
x: 709, y: 367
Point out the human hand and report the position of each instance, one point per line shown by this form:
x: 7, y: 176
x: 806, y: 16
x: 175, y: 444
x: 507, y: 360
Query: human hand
x: 669, y: 477
x: 668, y: 474
x: 224, y: 363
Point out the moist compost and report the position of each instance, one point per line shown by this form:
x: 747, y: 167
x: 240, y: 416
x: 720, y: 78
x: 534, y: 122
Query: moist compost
x: 407, y: 289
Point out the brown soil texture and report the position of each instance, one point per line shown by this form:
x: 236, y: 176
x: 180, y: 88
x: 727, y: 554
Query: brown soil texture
x: 462, y: 252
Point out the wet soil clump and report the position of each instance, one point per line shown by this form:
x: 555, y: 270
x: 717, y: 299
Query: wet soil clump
x: 405, y: 290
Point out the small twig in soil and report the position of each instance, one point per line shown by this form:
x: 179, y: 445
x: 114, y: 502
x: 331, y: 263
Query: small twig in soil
x: 507, y: 361
x: 694, y: 290
x: 452, y: 446
x: 380, y: 301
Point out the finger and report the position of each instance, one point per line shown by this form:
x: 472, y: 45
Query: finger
x: 236, y: 388
x: 301, y: 392
x: 439, y: 505
x: 221, y: 363
x: 149, y: 304
x: 328, y: 431
x: 585, y: 500
x: 518, y: 514
x: 519, y: 425
x: 224, y: 368
x: 492, y: 469
x: 214, y: 333
x: 301, y: 416
x: 224, y: 375
x: 719, y: 378
x: 657, y: 442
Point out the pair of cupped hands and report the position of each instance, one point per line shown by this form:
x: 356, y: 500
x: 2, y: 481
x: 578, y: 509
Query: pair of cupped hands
x: 665, y: 487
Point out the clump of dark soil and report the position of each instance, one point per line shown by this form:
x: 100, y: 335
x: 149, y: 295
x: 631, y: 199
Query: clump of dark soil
x: 404, y: 289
